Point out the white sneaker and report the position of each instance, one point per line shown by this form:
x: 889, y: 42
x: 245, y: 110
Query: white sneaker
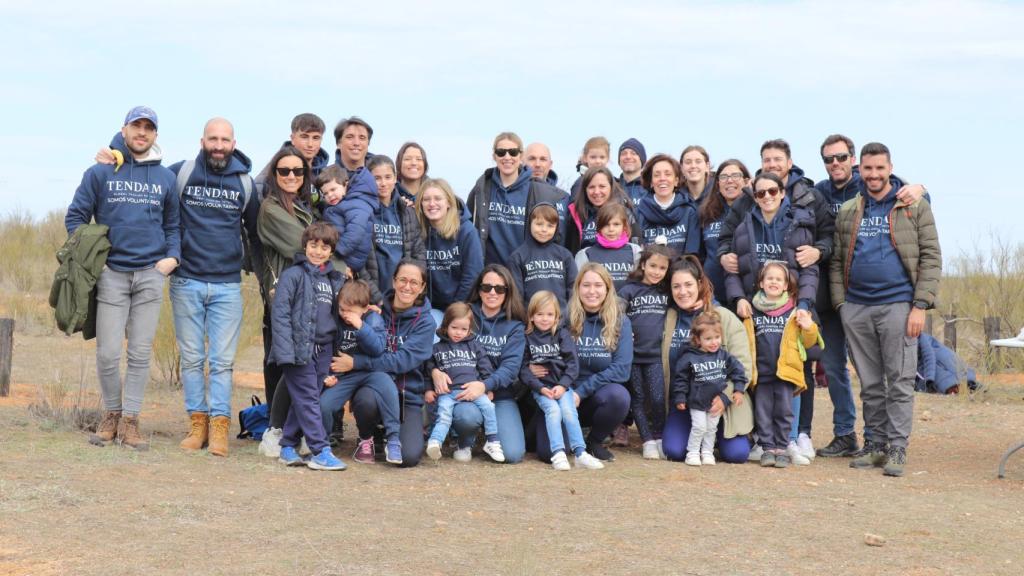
x: 661, y: 450
x: 434, y: 449
x: 651, y: 450
x: 493, y: 449
x: 755, y: 453
x: 560, y: 462
x: 796, y: 456
x: 270, y: 445
x: 692, y: 459
x: 463, y: 454
x: 587, y: 461
x: 803, y: 442
x: 304, y: 448
x: 707, y: 459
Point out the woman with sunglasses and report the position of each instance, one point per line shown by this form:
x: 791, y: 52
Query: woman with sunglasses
x: 728, y: 185
x: 498, y: 313
x: 395, y: 390
x: 504, y: 195
x: 668, y: 215
x: 599, y: 188
x: 454, y: 257
x: 284, y: 214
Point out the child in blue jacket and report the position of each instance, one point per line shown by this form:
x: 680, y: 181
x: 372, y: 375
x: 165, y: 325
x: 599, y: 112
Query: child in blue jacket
x: 352, y: 215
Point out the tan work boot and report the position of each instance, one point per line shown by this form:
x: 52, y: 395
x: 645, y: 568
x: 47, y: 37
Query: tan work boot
x: 219, y: 435
x: 199, y: 433
x: 107, y: 430
x: 128, y: 434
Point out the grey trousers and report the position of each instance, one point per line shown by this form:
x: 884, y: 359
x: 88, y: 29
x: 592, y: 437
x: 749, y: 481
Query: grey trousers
x: 886, y: 362
x: 128, y: 306
x: 773, y: 412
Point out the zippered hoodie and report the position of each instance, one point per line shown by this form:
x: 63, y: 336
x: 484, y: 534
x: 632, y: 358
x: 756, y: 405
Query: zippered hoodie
x: 504, y: 341
x: 212, y: 220
x: 410, y: 343
x: 598, y: 365
x: 452, y: 264
x: 700, y: 376
x: 677, y: 223
x: 464, y: 361
x: 557, y: 353
x: 138, y: 203
x: 297, y: 318
x: 353, y: 218
x: 645, y: 307
x: 548, y: 266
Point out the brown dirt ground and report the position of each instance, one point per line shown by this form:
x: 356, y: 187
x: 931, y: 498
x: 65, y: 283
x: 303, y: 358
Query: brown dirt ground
x: 69, y: 508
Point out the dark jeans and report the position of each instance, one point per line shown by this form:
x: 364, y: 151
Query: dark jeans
x: 602, y: 412
x: 367, y: 413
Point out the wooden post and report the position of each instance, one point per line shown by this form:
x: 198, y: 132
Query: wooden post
x: 994, y: 356
x: 949, y: 331
x: 6, y: 354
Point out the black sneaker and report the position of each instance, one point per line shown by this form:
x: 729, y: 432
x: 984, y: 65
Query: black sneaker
x: 845, y: 445
x: 600, y: 452
x: 896, y: 459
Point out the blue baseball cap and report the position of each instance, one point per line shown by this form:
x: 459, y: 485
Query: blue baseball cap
x: 141, y: 113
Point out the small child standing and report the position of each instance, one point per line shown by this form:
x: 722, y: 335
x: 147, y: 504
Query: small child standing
x: 352, y: 213
x: 703, y: 372
x: 613, y: 250
x: 463, y: 359
x: 360, y: 331
x: 783, y: 336
x: 304, y: 328
x: 550, y: 369
x: 540, y: 263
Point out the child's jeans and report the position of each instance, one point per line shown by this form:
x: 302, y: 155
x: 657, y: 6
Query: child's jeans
x: 558, y: 412
x: 446, y: 407
x: 703, y: 430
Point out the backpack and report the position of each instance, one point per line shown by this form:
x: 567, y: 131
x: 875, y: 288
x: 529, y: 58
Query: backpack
x: 185, y: 173
x: 253, y: 421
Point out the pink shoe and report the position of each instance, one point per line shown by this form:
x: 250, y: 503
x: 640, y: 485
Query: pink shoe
x: 364, y: 451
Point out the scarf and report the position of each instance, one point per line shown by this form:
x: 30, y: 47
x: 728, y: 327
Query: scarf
x: 776, y: 307
x: 612, y: 244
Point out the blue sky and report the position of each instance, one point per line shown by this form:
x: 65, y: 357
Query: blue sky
x: 939, y: 82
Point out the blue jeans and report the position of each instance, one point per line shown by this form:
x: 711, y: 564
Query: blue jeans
x: 206, y: 311
x: 446, y: 408
x: 467, y: 420
x: 844, y: 410
x: 558, y: 412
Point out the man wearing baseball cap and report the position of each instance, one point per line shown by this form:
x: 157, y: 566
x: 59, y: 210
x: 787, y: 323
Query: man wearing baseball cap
x: 137, y: 201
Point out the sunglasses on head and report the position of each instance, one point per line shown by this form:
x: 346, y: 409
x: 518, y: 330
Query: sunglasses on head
x: 773, y: 192
x: 500, y: 152
x: 839, y: 157
x: 285, y: 171
x: 496, y: 288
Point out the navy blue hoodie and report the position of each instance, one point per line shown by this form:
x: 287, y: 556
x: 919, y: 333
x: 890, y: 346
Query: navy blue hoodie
x: 507, y: 216
x: 598, y: 365
x: 504, y: 341
x: 464, y: 361
x: 452, y: 264
x: 556, y: 352
x: 138, y: 202
x: 681, y: 332
x: 548, y: 266
x: 877, y: 275
x: 370, y: 340
x: 645, y: 307
x: 699, y: 376
x: 212, y: 220
x: 619, y: 262
x: 410, y: 342
x: 712, y: 264
x: 678, y: 223
x: 353, y: 218
x: 634, y: 188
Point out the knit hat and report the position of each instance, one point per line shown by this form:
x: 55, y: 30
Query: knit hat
x: 635, y: 145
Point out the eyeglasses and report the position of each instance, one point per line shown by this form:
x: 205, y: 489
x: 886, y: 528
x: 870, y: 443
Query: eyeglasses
x: 496, y: 288
x: 410, y: 282
x: 839, y: 157
x: 500, y: 152
x: 282, y: 172
x: 773, y: 192
x: 733, y: 176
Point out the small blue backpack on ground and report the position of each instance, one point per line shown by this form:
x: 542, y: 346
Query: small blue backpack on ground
x: 253, y: 420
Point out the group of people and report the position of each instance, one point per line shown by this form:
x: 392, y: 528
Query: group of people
x: 691, y: 303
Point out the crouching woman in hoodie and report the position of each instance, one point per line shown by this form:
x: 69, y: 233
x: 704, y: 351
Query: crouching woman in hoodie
x: 397, y: 386
x: 604, y: 349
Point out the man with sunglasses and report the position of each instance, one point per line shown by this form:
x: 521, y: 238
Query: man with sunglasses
x: 883, y: 277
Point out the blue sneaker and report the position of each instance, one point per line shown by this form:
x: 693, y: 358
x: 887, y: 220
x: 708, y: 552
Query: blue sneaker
x: 289, y: 457
x: 393, y: 452
x: 326, y: 460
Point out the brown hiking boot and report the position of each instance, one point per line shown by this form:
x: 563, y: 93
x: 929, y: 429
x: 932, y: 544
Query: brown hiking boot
x: 219, y: 435
x: 107, y: 430
x: 128, y: 434
x: 199, y: 433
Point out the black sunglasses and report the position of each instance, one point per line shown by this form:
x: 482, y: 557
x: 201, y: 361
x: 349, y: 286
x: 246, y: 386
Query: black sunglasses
x: 497, y: 288
x: 500, y: 152
x: 839, y: 157
x: 282, y: 172
x: 773, y: 192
